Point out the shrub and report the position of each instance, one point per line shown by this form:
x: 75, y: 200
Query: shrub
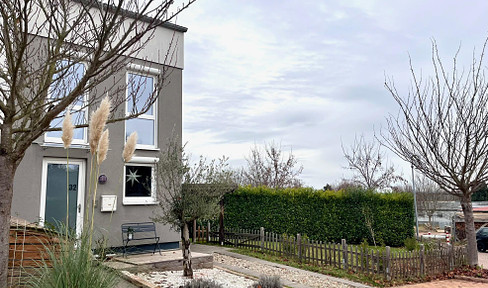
x: 411, y: 244
x: 323, y: 215
x: 202, y: 283
x: 268, y: 282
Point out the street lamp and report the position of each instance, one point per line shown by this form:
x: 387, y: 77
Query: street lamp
x: 415, y: 203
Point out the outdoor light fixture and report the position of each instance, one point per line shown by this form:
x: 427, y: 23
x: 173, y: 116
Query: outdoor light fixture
x: 102, y: 179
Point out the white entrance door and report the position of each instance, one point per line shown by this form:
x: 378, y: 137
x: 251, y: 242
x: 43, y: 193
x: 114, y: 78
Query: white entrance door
x: 54, y: 191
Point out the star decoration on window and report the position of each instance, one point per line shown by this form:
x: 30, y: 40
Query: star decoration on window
x: 132, y: 177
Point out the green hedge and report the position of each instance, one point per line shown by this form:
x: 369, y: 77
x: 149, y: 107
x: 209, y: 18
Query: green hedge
x: 323, y: 215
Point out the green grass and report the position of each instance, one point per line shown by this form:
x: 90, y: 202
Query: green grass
x: 327, y: 270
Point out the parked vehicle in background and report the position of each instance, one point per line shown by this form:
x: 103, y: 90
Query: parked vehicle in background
x: 482, y: 239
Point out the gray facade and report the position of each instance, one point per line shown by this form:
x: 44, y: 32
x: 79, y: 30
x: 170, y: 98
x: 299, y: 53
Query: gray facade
x: 30, y: 200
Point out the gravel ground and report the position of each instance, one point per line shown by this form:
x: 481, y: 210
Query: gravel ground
x: 175, y: 279
x: 293, y: 275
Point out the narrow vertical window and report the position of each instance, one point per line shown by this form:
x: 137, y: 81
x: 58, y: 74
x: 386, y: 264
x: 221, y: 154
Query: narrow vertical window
x: 140, y: 89
x: 63, y: 84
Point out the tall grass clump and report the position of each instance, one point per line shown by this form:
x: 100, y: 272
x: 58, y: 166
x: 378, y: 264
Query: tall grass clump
x: 71, y: 264
x: 202, y: 283
x: 268, y: 282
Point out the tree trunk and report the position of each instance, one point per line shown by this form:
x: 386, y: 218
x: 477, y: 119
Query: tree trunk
x: 470, y: 231
x: 221, y: 223
x: 185, y: 241
x: 7, y: 172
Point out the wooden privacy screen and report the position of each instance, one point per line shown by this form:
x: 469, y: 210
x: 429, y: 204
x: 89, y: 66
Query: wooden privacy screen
x: 27, y: 251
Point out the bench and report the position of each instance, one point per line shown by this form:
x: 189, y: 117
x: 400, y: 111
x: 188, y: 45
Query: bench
x: 143, y: 231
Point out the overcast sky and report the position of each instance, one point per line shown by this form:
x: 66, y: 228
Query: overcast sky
x: 310, y: 74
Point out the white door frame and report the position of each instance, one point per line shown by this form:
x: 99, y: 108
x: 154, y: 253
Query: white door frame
x: 81, y: 189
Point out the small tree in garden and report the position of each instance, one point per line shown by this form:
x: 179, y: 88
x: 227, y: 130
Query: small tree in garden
x: 189, y: 192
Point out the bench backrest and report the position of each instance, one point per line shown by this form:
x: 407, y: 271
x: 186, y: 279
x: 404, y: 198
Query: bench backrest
x: 139, y: 230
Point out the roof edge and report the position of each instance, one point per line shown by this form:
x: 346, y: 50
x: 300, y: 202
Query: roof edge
x: 134, y: 15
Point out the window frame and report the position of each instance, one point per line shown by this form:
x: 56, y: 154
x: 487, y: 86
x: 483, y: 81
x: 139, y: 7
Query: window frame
x: 72, y: 107
x: 150, y: 73
x: 143, y: 162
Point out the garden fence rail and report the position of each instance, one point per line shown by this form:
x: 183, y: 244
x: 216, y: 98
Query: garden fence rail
x: 384, y: 262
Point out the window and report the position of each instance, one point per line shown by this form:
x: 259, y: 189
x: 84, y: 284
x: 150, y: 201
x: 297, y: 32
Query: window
x: 140, y: 183
x: 60, y: 89
x: 140, y: 89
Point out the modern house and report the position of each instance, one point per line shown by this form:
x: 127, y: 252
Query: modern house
x: 126, y: 191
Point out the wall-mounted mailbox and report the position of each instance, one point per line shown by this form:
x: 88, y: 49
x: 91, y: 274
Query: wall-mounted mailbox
x: 109, y: 203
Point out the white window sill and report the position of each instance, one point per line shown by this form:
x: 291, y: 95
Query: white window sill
x: 60, y: 145
x: 133, y: 202
x: 147, y: 148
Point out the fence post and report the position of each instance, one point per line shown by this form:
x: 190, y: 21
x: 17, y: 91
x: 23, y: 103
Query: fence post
x: 344, y: 254
x: 451, y: 257
x: 299, y: 246
x: 194, y: 231
x: 422, y: 260
x: 208, y: 232
x: 261, y: 237
x: 387, y: 264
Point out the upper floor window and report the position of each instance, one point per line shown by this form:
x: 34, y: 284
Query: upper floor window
x: 140, y: 89
x: 63, y: 84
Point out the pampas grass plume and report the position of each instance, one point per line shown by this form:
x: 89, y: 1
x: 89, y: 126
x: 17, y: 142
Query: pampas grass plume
x: 98, y: 120
x: 103, y: 147
x: 68, y: 130
x: 130, y: 147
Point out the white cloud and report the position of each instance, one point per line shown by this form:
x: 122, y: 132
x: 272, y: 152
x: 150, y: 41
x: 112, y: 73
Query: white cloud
x: 308, y: 74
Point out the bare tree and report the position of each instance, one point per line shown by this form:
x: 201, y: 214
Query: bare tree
x: 42, y: 42
x: 189, y: 192
x: 269, y: 167
x: 442, y: 130
x: 369, y: 164
x: 429, y: 196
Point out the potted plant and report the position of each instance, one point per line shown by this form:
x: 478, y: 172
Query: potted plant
x: 130, y: 233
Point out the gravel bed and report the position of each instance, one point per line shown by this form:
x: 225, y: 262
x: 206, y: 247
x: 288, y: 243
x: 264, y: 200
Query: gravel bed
x: 293, y: 275
x: 175, y: 279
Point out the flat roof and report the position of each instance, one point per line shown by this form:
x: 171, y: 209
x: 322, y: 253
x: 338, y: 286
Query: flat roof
x: 134, y: 15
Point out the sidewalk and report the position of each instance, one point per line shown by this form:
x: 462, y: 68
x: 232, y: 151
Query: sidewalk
x: 286, y: 270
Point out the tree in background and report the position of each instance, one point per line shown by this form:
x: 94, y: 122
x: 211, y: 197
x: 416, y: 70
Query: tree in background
x: 369, y: 165
x: 442, y: 130
x: 189, y: 192
x: 429, y: 197
x: 270, y: 167
x: 41, y: 45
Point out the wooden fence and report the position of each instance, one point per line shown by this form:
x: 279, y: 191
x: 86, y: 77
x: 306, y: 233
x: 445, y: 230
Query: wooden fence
x: 385, y: 262
x: 27, y: 252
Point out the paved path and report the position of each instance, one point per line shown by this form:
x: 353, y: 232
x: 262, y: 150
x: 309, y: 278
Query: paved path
x: 265, y: 265
x: 452, y: 283
x: 483, y: 259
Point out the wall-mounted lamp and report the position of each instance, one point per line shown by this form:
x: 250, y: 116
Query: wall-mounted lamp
x: 102, y: 179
